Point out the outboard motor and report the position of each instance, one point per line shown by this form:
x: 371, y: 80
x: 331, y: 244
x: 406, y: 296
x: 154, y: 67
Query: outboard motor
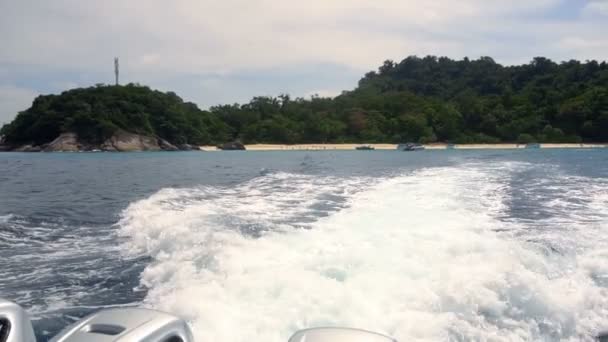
x: 129, y: 324
x: 15, y: 324
x: 143, y: 325
x: 338, y: 335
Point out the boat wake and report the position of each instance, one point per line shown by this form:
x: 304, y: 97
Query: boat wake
x: 61, y: 271
x: 438, y: 254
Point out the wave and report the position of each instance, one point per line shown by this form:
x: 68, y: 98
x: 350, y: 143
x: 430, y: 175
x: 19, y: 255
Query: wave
x: 432, y: 255
x: 55, y: 267
x: 6, y: 218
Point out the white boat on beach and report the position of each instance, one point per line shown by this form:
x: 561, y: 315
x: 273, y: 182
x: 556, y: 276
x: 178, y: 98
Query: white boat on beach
x: 410, y: 147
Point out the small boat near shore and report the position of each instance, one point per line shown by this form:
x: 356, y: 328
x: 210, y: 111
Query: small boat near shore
x: 365, y: 148
x: 410, y: 147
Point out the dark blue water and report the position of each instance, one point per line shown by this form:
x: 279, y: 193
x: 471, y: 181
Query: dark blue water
x: 68, y: 222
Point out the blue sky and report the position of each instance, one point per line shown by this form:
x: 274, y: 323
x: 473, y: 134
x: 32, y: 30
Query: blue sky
x: 224, y: 51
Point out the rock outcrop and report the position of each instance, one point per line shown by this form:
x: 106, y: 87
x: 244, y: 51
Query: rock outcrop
x: 28, y: 148
x: 66, y: 142
x: 123, y: 141
x: 166, y: 146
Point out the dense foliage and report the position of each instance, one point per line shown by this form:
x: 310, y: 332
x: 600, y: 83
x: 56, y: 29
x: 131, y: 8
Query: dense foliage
x: 96, y: 113
x: 438, y: 99
x: 418, y: 99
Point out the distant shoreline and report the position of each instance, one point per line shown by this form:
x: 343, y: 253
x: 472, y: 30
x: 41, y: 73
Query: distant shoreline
x: 347, y: 147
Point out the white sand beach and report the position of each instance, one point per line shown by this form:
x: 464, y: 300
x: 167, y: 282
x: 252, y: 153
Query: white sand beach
x: 331, y: 147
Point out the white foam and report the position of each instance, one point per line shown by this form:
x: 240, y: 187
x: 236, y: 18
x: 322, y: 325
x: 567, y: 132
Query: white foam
x: 415, y: 256
x: 6, y: 218
x: 39, y: 256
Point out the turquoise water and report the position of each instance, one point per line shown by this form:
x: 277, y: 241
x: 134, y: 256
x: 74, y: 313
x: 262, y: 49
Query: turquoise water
x: 430, y: 245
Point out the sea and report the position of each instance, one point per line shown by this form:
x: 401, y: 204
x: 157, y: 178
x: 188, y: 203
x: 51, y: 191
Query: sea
x: 454, y: 245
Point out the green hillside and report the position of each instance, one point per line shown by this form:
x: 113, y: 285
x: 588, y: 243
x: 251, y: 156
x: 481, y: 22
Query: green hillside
x: 418, y: 99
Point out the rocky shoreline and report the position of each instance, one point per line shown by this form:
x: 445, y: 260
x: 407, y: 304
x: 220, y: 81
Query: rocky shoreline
x: 121, y: 141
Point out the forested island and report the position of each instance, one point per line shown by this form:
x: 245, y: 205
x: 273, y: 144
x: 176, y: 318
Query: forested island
x: 426, y: 100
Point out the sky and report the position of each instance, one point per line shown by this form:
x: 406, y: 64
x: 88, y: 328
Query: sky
x: 224, y: 51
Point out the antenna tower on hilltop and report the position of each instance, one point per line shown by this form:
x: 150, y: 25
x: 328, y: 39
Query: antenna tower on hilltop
x: 116, y: 69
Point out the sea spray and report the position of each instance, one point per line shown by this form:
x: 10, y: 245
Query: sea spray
x: 422, y: 256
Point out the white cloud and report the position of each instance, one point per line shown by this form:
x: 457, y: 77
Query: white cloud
x: 212, y: 35
x: 325, y: 93
x: 150, y: 59
x: 158, y: 40
x: 583, y: 47
x: 13, y: 100
x: 597, y: 7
